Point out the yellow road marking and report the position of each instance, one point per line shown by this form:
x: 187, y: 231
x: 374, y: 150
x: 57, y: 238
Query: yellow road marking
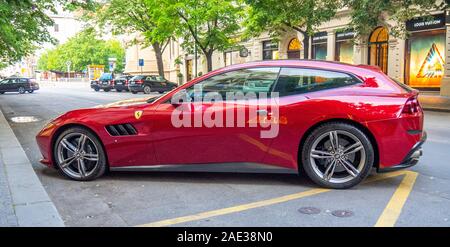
x: 395, y: 205
x: 243, y: 207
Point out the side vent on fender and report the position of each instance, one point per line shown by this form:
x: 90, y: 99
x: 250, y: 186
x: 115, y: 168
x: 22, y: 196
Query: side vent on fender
x: 121, y: 130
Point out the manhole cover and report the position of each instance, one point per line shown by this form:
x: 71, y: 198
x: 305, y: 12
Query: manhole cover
x: 342, y: 213
x: 309, y: 210
x: 25, y: 119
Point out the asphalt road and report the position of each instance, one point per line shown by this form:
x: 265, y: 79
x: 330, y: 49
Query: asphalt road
x: 132, y: 198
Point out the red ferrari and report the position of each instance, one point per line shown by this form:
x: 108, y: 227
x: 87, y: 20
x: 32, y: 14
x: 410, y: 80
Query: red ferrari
x: 333, y: 121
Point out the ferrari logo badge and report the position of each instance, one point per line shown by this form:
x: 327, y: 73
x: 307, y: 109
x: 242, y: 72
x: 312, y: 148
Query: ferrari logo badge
x: 138, y: 114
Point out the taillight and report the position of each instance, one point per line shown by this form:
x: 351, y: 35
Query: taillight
x: 140, y: 81
x: 111, y: 82
x: 411, y: 106
x: 126, y: 82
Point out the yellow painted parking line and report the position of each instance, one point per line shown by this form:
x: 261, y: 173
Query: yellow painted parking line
x: 395, y: 205
x: 243, y: 207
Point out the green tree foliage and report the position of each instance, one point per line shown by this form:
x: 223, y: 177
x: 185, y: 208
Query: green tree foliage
x: 277, y: 17
x: 368, y: 14
x: 82, y: 50
x: 149, y: 18
x: 23, y: 26
x: 210, y: 24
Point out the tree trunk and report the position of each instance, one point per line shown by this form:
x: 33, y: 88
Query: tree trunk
x: 159, y: 60
x: 208, y: 56
x: 306, y: 44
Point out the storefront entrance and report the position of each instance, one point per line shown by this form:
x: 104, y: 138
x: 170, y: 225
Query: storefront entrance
x: 378, y: 48
x: 294, y: 47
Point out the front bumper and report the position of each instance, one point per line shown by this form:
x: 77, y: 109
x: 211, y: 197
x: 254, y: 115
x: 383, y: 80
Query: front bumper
x: 411, y: 159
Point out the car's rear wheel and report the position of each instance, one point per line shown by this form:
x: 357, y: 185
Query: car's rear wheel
x: 97, y: 89
x: 21, y: 90
x: 2, y: 92
x: 134, y: 92
x: 106, y: 90
x: 337, y: 155
x: 119, y: 90
x: 79, y: 155
x: 30, y: 91
x: 147, y: 90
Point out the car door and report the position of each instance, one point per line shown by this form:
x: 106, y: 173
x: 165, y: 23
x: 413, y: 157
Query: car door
x: 236, y: 140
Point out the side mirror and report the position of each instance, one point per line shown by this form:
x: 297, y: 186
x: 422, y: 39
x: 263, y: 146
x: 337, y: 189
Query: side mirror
x: 179, y: 98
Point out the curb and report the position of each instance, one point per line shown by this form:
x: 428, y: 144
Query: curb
x: 31, y: 203
x: 436, y: 109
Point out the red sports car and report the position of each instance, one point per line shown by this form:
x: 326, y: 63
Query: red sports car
x: 333, y: 121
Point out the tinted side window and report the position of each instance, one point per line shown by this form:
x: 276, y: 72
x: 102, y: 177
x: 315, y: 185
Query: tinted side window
x: 23, y: 80
x: 298, y: 81
x: 245, y: 80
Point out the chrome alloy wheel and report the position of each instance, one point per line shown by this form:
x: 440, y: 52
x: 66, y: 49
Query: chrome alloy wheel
x: 337, y: 156
x: 77, y: 155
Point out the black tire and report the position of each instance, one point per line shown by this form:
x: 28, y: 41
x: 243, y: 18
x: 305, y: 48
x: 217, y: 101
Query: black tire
x: 161, y: 92
x: 21, y: 90
x: 96, y: 89
x: 134, y: 92
x: 147, y: 89
x: 106, y: 90
x: 364, y: 157
x: 119, y: 90
x: 2, y: 92
x: 101, y: 166
x: 30, y: 91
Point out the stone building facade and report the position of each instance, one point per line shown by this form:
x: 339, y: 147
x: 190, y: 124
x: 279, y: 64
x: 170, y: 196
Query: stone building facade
x: 422, y: 60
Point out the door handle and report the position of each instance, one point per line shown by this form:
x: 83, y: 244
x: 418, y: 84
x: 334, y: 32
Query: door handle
x: 262, y: 112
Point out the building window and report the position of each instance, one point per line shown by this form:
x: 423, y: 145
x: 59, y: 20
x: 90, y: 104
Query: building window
x: 56, y: 27
x: 294, y: 47
x: 319, y: 46
x: 378, y: 48
x: 344, y: 46
x: 270, y: 48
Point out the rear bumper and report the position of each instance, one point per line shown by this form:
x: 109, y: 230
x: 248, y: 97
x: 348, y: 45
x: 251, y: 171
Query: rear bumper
x: 411, y: 159
x: 136, y: 88
x: 120, y: 87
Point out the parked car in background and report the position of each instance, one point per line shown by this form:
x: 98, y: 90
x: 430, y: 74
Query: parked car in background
x: 150, y: 83
x: 17, y: 84
x: 121, y: 83
x: 105, y: 82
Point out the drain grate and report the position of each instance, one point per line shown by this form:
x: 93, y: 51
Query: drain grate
x: 342, y: 213
x: 309, y: 210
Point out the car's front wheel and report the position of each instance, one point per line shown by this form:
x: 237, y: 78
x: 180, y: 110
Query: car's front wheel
x: 337, y: 155
x: 79, y: 155
x: 21, y: 90
x: 30, y: 91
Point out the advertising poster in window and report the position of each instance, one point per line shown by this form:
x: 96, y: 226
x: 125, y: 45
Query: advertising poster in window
x: 427, y: 60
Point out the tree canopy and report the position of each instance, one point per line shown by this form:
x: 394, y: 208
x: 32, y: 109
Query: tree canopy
x: 82, y: 50
x: 209, y: 24
x: 149, y: 18
x: 23, y: 25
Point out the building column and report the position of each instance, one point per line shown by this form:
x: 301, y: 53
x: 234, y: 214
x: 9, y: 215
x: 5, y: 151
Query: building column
x: 396, y: 58
x: 445, y: 83
x: 331, y: 45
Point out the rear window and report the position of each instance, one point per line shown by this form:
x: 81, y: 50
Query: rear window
x: 106, y: 76
x: 301, y: 80
x: 138, y: 77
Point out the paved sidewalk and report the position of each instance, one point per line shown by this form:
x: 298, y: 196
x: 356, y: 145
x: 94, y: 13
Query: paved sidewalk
x: 23, y: 199
x: 432, y: 101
